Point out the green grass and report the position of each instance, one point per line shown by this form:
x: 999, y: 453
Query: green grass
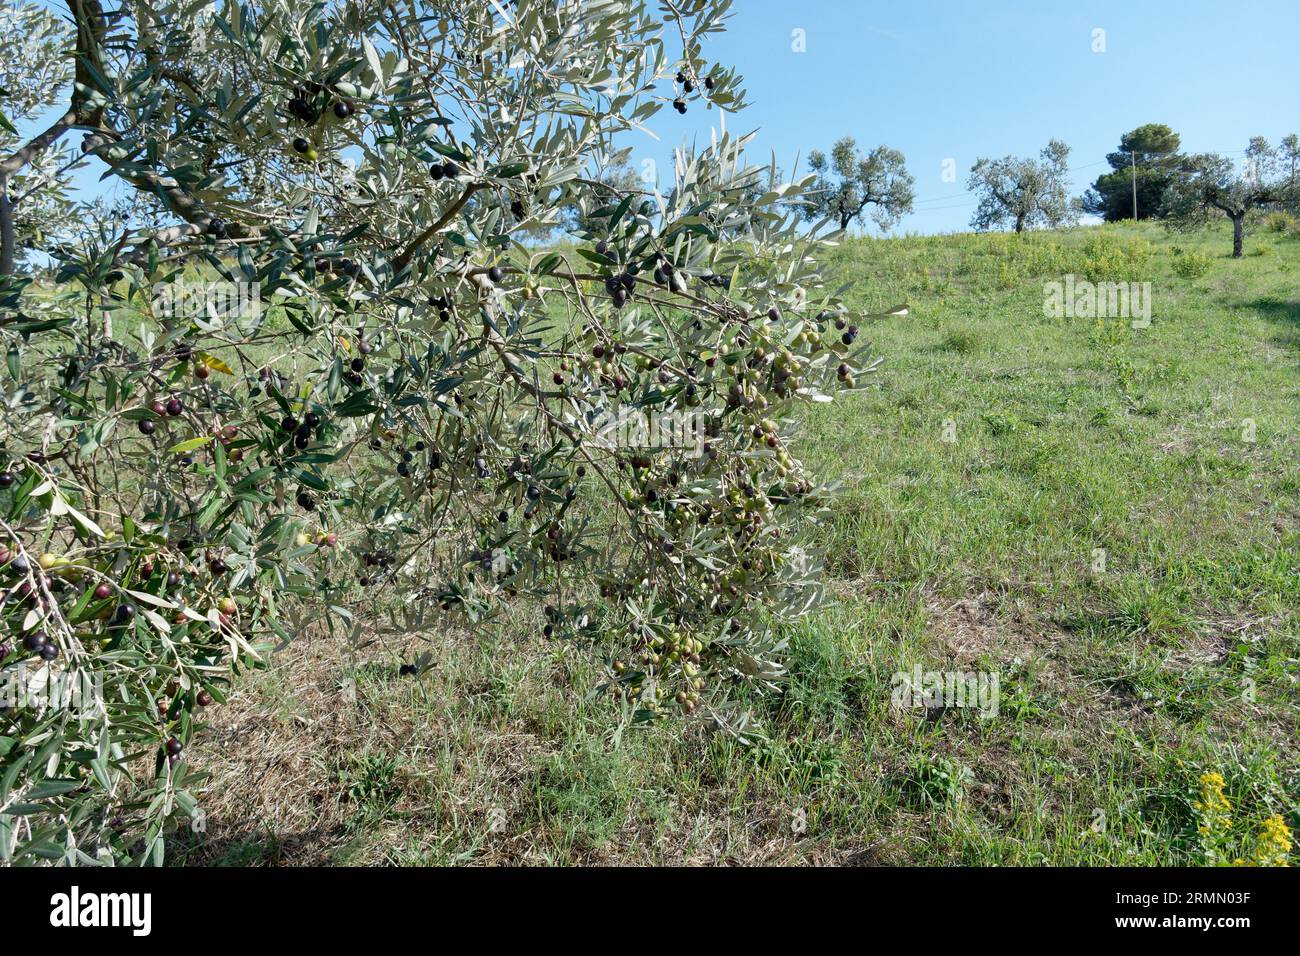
x: 1105, y: 517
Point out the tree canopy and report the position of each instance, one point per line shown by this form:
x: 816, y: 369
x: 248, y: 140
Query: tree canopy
x: 851, y: 186
x: 314, y: 377
x: 1150, y: 154
x: 1209, y: 186
x: 1022, y: 192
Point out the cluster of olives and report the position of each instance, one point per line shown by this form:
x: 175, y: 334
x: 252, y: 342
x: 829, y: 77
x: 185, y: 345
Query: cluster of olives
x: 621, y: 286
x: 743, y: 509
x: 483, y: 557
x: 664, y: 269
x: 57, y: 575
x: 307, y: 105
x: 184, y: 355
x: 670, y: 657
x: 309, y: 102
x: 556, y: 548
x: 406, y: 457
x: 355, y: 367
x: 554, y: 620
x: 558, y: 375
x: 322, y: 539
x: 766, y: 432
x: 605, y: 362
x: 161, y: 410
x: 445, y: 170
x: 445, y: 306
x: 850, y: 331
x: 39, y: 644
x: 301, y: 431
x: 305, y: 149
x: 787, y: 369
x: 344, y: 266
x: 379, y: 560
x: 687, y: 85
x: 224, y: 435
x: 164, y: 697
x: 176, y: 561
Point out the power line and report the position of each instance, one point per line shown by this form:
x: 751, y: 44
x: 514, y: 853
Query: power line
x: 958, y: 205
x: 940, y: 198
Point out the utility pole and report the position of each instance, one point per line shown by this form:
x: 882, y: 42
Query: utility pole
x: 1133, y: 160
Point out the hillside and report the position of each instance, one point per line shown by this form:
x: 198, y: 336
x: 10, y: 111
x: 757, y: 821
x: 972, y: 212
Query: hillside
x: 1103, y: 517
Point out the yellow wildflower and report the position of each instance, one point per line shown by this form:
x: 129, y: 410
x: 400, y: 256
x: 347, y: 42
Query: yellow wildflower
x: 1215, y: 810
x: 1274, y: 842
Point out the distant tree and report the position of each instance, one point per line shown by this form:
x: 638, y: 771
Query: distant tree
x: 850, y: 184
x: 609, y: 187
x: 1149, y: 154
x: 1209, y: 185
x: 1291, y: 156
x: 1023, y: 192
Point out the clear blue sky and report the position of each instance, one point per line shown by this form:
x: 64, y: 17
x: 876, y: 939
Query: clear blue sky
x: 947, y: 78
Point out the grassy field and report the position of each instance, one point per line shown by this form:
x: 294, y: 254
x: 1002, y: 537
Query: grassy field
x: 1104, y: 517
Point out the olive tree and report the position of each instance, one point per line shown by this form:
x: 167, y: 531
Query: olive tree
x: 34, y: 206
x: 1289, y: 147
x: 850, y: 185
x: 316, y: 378
x: 1022, y: 192
x: 1209, y: 186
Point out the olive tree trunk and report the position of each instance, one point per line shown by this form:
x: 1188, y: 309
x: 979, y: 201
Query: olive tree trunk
x: 6, y: 228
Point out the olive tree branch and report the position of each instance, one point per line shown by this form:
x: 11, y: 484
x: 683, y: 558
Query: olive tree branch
x: 403, y: 258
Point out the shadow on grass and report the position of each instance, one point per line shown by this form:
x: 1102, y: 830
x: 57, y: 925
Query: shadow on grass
x: 232, y: 846
x: 1286, y: 314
